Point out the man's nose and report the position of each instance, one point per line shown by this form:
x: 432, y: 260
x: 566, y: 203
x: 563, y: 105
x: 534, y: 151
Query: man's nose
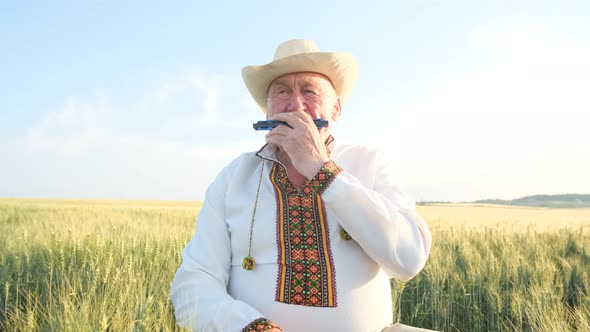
x: 296, y: 103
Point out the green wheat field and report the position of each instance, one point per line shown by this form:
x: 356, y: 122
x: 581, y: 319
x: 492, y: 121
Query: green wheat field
x: 68, y: 265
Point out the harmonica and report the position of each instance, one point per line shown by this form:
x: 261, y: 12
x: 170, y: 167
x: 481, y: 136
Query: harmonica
x: 270, y: 124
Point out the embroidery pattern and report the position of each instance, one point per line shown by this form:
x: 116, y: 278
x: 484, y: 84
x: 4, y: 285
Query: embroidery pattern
x: 260, y: 325
x: 325, y: 176
x: 306, y: 273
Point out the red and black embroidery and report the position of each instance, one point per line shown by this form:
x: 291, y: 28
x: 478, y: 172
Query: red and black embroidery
x: 260, y: 325
x: 324, y: 177
x: 306, y: 273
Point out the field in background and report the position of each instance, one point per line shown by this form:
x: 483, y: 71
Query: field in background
x: 502, y: 268
x: 107, y: 265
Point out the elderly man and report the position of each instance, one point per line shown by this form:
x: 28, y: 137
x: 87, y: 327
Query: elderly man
x: 304, y: 234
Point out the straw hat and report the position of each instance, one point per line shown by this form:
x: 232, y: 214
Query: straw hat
x: 302, y: 55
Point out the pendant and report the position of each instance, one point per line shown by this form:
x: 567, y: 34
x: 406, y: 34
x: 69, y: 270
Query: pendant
x: 248, y: 263
x: 344, y: 235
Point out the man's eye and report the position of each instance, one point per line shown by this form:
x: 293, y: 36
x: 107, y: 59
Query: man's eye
x: 281, y: 92
x: 310, y: 92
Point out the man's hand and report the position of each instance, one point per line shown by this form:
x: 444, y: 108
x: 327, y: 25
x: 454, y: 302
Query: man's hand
x: 302, y: 143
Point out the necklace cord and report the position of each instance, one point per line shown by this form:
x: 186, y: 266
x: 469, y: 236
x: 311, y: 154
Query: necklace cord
x: 254, y: 211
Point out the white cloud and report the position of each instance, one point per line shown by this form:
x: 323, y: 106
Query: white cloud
x: 184, y: 104
x: 515, y: 125
x: 76, y: 127
x: 195, y: 95
x: 198, y: 101
x: 91, y: 148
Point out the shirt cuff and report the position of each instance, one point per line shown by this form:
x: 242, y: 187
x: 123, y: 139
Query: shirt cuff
x: 259, y: 325
x: 325, y: 176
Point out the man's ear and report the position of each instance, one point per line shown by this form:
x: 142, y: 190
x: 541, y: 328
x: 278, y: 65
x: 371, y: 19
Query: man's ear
x: 336, y: 110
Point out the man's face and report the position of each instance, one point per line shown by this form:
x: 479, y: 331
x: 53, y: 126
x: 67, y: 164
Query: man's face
x: 307, y: 92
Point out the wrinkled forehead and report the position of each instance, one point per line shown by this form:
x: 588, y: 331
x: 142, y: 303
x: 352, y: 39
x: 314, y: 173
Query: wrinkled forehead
x: 303, y: 78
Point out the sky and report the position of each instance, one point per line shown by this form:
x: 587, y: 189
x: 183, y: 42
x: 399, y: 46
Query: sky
x: 144, y: 99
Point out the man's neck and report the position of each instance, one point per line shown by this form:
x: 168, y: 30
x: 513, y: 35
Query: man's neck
x: 283, y: 158
x: 296, y: 178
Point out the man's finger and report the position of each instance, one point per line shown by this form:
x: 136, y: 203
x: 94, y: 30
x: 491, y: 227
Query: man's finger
x: 278, y: 140
x: 280, y: 130
x: 293, y: 118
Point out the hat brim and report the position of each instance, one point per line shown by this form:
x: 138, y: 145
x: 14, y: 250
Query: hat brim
x: 341, y: 68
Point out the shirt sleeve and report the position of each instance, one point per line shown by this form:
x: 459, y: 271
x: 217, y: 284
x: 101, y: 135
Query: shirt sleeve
x: 199, y: 289
x: 380, y: 218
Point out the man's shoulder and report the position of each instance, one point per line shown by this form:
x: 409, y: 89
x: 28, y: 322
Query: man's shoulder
x: 356, y: 150
x: 242, y: 159
x: 236, y: 166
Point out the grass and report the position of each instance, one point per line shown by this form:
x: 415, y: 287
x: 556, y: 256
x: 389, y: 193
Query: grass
x: 90, y: 265
x: 107, y: 265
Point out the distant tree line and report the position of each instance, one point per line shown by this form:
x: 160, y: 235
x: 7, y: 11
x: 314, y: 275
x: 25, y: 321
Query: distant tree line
x: 556, y: 201
x: 561, y: 200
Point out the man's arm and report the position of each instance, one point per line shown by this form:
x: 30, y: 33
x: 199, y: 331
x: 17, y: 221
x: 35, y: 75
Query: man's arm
x: 199, y: 289
x: 382, y: 220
